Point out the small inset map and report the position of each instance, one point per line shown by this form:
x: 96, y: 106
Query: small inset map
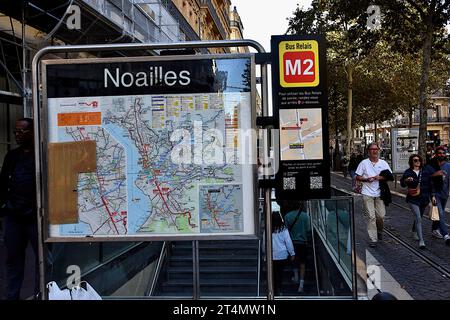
x: 220, y: 208
x: 301, y: 134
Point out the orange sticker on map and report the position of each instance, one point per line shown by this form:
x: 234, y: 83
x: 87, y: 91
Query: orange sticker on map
x: 79, y: 119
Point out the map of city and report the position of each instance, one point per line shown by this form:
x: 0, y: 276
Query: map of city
x: 301, y: 134
x: 166, y: 164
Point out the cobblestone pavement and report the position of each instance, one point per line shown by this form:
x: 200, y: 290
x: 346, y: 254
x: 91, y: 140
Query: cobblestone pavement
x: 420, y: 280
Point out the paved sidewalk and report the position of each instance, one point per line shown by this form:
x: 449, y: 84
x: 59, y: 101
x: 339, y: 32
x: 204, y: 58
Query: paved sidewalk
x: 411, y: 274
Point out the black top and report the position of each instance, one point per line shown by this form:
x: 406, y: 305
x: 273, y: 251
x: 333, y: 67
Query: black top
x: 18, y: 184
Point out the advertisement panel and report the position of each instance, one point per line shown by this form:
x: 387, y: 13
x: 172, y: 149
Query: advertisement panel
x: 405, y: 142
x: 174, y: 147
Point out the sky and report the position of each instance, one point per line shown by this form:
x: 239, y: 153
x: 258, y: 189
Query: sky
x: 263, y: 18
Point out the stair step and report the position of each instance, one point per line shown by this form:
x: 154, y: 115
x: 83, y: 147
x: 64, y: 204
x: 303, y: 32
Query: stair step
x: 217, y: 251
x: 213, y: 269
x: 212, y: 282
x: 214, y: 273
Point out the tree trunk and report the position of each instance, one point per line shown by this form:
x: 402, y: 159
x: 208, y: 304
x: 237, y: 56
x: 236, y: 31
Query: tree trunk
x: 350, y: 108
x: 375, y: 135
x: 426, y: 61
x: 410, y: 116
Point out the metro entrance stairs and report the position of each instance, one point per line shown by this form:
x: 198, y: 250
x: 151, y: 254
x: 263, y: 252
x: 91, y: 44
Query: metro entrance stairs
x: 226, y: 268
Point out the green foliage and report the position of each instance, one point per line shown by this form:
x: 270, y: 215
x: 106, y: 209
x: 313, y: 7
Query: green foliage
x: 387, y: 62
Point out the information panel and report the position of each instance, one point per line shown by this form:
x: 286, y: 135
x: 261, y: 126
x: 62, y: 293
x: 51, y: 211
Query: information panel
x: 174, y: 144
x: 301, y: 115
x: 405, y: 142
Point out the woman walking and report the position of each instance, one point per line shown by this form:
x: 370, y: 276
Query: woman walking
x: 417, y: 179
x: 282, y: 248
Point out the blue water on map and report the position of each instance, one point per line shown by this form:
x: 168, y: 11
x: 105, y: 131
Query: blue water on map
x: 139, y: 204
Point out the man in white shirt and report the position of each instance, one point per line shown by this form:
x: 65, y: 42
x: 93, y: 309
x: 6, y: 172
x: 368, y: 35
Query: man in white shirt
x: 368, y: 172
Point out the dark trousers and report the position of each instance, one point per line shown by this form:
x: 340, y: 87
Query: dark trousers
x: 17, y: 235
x: 278, y: 268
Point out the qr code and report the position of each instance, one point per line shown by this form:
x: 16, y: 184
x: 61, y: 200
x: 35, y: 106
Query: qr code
x: 315, y: 183
x: 289, y: 183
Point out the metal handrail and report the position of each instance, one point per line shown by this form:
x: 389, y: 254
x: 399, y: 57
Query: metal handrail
x: 151, y: 289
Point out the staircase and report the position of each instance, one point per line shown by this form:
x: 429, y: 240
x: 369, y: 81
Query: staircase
x: 226, y: 268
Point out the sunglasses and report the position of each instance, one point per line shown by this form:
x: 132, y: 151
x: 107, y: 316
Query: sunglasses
x: 440, y: 153
x: 416, y: 160
x: 21, y: 131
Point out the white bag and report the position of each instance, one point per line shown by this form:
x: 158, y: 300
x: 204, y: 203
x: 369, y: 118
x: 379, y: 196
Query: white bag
x: 55, y: 293
x: 79, y: 293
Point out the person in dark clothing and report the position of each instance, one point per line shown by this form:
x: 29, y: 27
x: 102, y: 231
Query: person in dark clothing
x: 18, y: 206
x: 417, y: 176
x: 440, y: 184
x: 352, y: 166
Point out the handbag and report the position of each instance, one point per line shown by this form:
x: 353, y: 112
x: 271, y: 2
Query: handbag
x: 434, y: 214
x: 414, y: 192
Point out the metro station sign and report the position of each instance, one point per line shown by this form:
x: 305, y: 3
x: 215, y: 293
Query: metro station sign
x: 300, y: 112
x: 299, y: 63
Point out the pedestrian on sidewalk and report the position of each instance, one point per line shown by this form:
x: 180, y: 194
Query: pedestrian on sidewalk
x: 440, y: 182
x: 18, y: 206
x: 282, y: 250
x: 297, y: 222
x: 344, y: 165
x: 417, y: 178
x: 371, y: 172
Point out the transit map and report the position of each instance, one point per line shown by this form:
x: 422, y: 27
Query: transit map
x: 166, y: 164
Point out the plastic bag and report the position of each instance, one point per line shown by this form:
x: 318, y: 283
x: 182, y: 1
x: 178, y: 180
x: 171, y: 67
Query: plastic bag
x: 434, y: 214
x: 55, y: 293
x: 80, y: 293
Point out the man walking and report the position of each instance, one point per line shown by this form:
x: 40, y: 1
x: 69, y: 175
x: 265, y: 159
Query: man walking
x: 440, y: 188
x: 18, y: 205
x: 368, y: 172
x: 297, y: 221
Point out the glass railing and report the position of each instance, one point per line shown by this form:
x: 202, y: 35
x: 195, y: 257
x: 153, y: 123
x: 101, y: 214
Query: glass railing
x: 331, y: 219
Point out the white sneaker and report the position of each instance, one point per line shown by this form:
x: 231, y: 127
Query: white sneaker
x: 300, y: 286
x: 437, y: 234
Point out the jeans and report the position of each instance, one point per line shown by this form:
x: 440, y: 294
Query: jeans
x: 441, y: 225
x: 418, y: 213
x: 17, y: 234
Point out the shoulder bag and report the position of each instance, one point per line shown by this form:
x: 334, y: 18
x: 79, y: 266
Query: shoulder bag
x: 414, y: 192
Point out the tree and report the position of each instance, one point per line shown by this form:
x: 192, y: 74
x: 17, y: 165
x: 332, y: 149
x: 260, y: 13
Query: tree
x: 348, y: 38
x: 418, y: 26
